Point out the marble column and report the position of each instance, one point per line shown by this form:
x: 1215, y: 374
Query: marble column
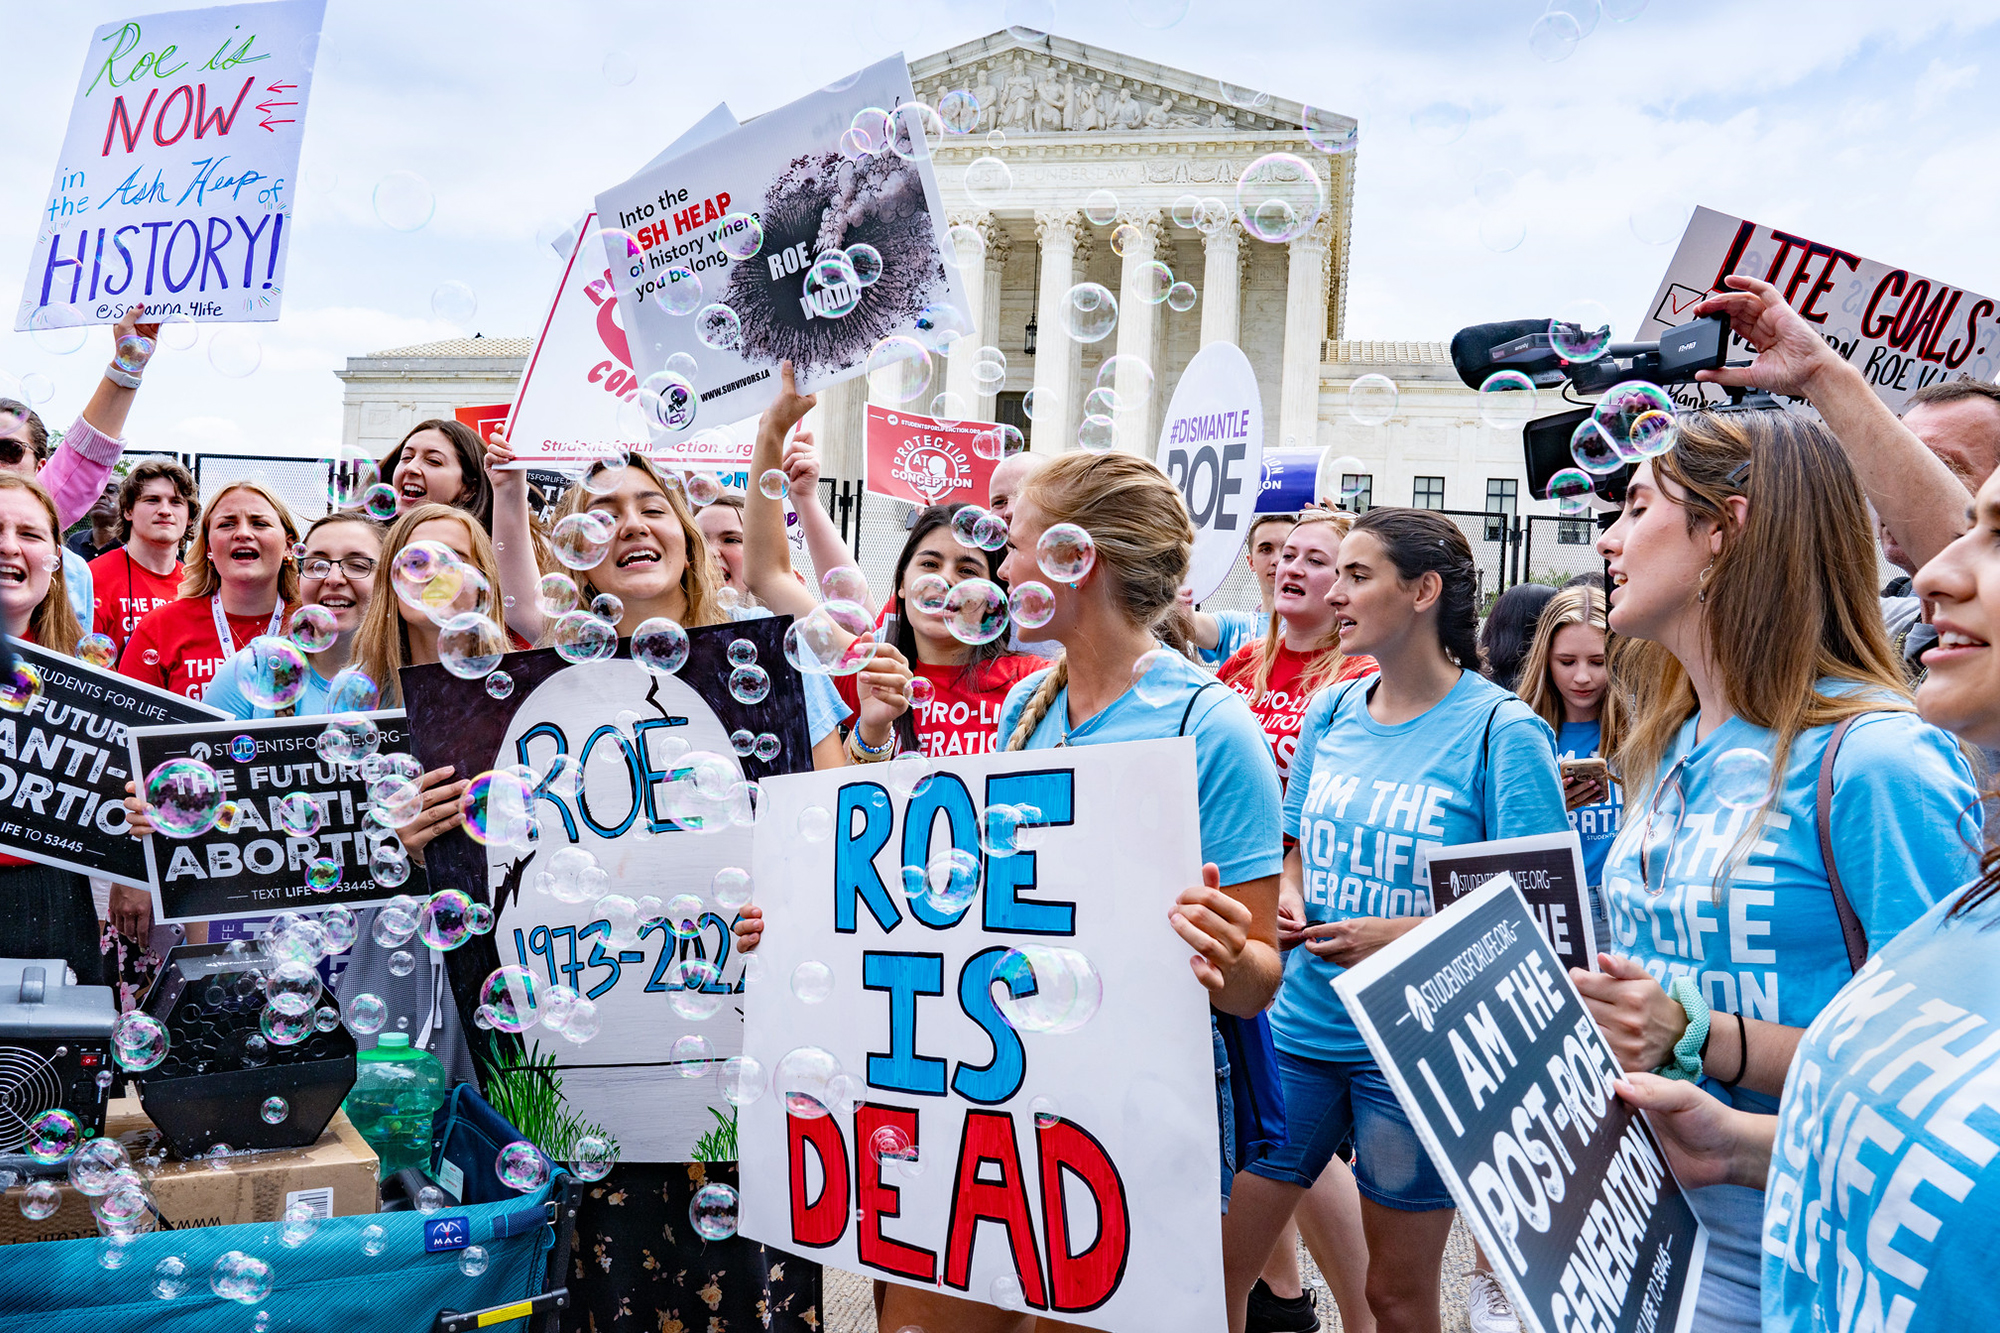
x: 839, y: 425
x: 1136, y: 380
x: 1222, y: 284
x: 962, y: 354
x: 999, y: 246
x: 1305, y: 336
x: 1064, y: 240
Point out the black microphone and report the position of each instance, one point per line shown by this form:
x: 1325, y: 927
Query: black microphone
x: 1472, y: 349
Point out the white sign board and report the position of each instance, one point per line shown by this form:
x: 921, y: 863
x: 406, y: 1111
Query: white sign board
x: 949, y: 1139
x: 1903, y: 330
x: 179, y: 170
x: 1212, y: 447
x: 579, y: 394
x: 786, y: 169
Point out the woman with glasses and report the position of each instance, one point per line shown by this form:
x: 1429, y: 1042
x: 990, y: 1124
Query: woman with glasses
x: 336, y: 572
x: 1750, y: 877
x: 1427, y: 753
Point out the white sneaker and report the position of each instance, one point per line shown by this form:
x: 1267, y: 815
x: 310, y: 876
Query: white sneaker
x: 1486, y: 1307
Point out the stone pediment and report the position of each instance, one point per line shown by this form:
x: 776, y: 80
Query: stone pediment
x: 1057, y: 86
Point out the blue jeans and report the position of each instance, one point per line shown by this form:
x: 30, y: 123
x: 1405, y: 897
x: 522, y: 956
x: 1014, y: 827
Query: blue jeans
x: 1225, y: 1112
x: 1327, y: 1103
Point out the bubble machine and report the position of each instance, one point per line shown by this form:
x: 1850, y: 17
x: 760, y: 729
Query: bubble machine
x: 230, y: 1054
x: 55, y: 1053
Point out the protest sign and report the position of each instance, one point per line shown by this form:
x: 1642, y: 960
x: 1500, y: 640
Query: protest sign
x: 1548, y: 870
x: 257, y: 866
x: 1902, y: 330
x: 1290, y: 481
x: 787, y: 296
x: 1506, y: 1079
x: 942, y: 1061
x: 64, y: 765
x: 578, y: 393
x: 923, y: 461
x: 1212, y: 448
x: 637, y: 740
x: 179, y: 169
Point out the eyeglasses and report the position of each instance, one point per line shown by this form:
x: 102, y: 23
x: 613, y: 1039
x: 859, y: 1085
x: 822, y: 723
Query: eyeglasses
x: 1668, y: 797
x: 356, y: 567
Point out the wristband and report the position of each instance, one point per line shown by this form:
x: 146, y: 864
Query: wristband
x: 1686, y: 1063
x: 861, y: 752
x: 123, y: 379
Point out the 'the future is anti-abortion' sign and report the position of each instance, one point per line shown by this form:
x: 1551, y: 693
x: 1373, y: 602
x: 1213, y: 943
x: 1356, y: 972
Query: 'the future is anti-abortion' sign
x: 179, y: 169
x: 1505, y: 1077
x: 952, y: 1105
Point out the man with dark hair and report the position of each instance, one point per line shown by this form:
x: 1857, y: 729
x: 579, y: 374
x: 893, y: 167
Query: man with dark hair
x: 100, y: 536
x: 157, y: 506
x: 1959, y: 421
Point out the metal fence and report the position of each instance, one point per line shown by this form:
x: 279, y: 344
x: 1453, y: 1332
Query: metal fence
x: 300, y: 482
x: 1558, y: 549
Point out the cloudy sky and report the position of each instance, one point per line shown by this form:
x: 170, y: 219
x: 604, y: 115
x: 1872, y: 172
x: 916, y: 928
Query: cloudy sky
x: 1857, y: 123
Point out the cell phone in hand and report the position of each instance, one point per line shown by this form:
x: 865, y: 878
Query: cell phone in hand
x: 1580, y: 769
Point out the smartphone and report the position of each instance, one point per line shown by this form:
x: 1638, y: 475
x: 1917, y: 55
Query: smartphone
x: 887, y: 632
x: 1599, y: 769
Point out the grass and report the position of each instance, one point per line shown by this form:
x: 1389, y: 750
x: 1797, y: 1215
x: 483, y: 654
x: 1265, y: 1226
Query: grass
x: 530, y: 1096
x: 719, y: 1144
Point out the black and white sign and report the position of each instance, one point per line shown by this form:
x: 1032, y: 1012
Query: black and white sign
x: 1547, y: 869
x: 1503, y: 1073
x: 64, y: 765
x: 1212, y: 448
x: 257, y: 867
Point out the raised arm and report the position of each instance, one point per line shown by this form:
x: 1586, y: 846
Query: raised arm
x: 1916, y: 495
x: 767, y: 558
x: 824, y: 543
x: 513, y: 535
x: 75, y: 476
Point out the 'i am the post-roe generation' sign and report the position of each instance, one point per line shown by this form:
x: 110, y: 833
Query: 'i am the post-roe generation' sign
x: 994, y: 1079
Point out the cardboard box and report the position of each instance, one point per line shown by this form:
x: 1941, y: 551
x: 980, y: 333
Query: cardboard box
x: 337, y: 1175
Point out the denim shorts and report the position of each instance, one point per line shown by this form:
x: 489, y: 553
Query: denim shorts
x: 1329, y: 1102
x: 1225, y: 1112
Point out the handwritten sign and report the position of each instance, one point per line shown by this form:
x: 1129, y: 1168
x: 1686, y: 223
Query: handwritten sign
x: 1004, y: 1092
x: 785, y: 174
x: 1903, y: 330
x: 924, y: 461
x: 1506, y: 1080
x: 179, y: 171
x: 627, y: 811
x: 64, y: 765
x: 1212, y: 449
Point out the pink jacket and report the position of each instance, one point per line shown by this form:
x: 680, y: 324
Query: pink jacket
x: 74, y: 478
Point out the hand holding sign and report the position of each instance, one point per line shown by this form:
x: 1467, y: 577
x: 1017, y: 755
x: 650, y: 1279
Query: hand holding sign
x: 1641, y: 1021
x: 1707, y: 1143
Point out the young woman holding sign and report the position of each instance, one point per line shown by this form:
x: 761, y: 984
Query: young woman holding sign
x: 1744, y: 566
x: 1428, y: 753
x: 44, y: 912
x: 239, y: 583
x: 440, y: 463
x: 1887, y: 1103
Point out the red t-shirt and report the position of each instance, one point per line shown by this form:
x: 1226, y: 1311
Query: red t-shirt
x: 1282, y: 706
x: 184, y: 652
x: 125, y: 591
x: 965, y: 704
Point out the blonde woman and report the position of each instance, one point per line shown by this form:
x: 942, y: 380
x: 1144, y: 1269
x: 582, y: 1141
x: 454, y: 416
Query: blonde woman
x: 44, y: 912
x: 395, y: 634
x: 239, y: 582
x: 1744, y: 565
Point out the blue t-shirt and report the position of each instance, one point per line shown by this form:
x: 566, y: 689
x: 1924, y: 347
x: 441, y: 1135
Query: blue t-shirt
x: 225, y: 692
x: 1596, y: 824
x: 1885, y: 1177
x: 1236, y: 785
x: 1366, y: 801
x: 1234, y: 628
x: 77, y: 583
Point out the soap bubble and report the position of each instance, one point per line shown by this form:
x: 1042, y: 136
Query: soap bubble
x: 1571, y: 489
x: 581, y: 541
x: 99, y: 650
x: 998, y: 824
x: 499, y: 685
x: 1506, y: 399
x: 1065, y: 553
x: 749, y: 684
x: 989, y: 368
x: 1638, y: 419
x: 582, y: 1023
x: 366, y: 1014
x: 802, y: 1081
x: 812, y: 981
x: 815, y: 824
x: 275, y: 1110
x: 1181, y: 296
x: 1279, y: 197
x: 831, y: 287
x: 374, y: 1239
x: 40, y: 1200
x: 717, y: 326
x: 1097, y: 433
x: 740, y: 235
x: 1593, y: 450
x: 521, y: 1166
x: 1372, y: 399
x: 1440, y: 122
x: 975, y: 611
x: 170, y: 1279
x: 695, y: 989
x: 866, y: 261
x: 241, y: 1277
x: 580, y: 636
x: 1741, y: 778
x: 766, y: 746
x: 703, y: 489
x: 743, y: 1079
x: 592, y: 1157
x: 426, y: 574
x: 691, y: 1053
x: 921, y: 691
x: 94, y: 1167
x: 470, y: 645
x: 988, y: 181
x: 908, y: 772
x: 773, y: 484
x: 680, y: 290
x: 964, y: 246
x: 1580, y: 331
x: 498, y: 808
x: 445, y: 922
x: 186, y: 797
x: 473, y: 1260
x: 352, y: 691
x: 1553, y: 36
x: 402, y: 963
x: 292, y: 988
x: 25, y: 686
x: 899, y: 369
x: 138, y: 1041
x: 713, y: 1211
x: 557, y: 594
x: 299, y: 814
x: 1042, y: 988
x: 833, y: 639
x: 1089, y: 312
x: 952, y: 878
x: 510, y: 994
x: 660, y: 646
x: 404, y: 201
x: 990, y: 532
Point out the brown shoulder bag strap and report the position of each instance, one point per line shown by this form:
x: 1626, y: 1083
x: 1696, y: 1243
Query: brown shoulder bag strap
x: 1850, y: 924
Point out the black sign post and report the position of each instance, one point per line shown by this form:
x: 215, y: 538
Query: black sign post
x: 258, y: 867
x: 1548, y: 870
x: 64, y: 765
x: 1503, y: 1073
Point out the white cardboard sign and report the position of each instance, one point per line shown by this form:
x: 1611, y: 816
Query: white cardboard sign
x: 1212, y: 447
x: 178, y: 171
x: 1073, y: 1173
x: 787, y: 170
x: 1903, y: 330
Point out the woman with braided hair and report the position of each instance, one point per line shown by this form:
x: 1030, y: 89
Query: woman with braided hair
x: 1428, y: 753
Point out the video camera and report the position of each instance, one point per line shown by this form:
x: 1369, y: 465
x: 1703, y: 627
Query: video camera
x: 1527, y: 345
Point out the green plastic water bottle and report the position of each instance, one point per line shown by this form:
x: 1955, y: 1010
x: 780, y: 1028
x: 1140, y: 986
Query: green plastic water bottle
x: 394, y: 1095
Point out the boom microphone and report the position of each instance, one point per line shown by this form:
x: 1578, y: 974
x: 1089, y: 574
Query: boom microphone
x: 1512, y: 344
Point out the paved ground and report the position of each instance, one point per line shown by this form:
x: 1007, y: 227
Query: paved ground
x: 850, y: 1303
